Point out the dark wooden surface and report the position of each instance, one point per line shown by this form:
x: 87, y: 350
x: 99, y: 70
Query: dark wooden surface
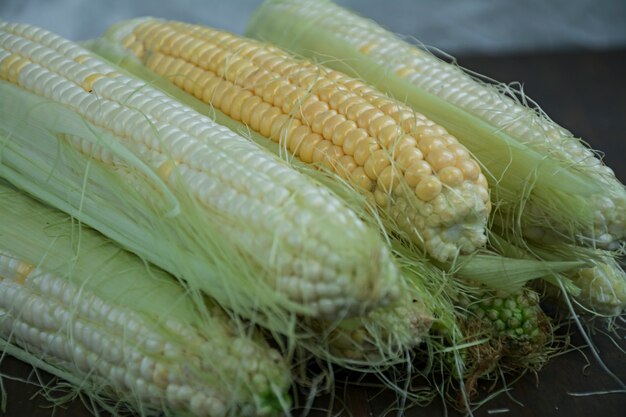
x: 586, y: 92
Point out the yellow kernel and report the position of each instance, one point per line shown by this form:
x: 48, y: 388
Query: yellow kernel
x: 380, y: 123
x: 209, y: 89
x: 405, y: 142
x: 219, y: 60
x: 407, y: 118
x: 308, y: 147
x: 282, y: 93
x: 138, y: 50
x: 261, y: 81
x: 248, y: 106
x: 345, y: 165
x: 257, y: 114
x: 338, y: 98
x: 416, y: 172
x: 220, y: 91
x: 331, y: 74
x: 286, y: 129
x: 87, y: 83
x: 190, y: 80
x: 265, y: 128
x: 277, y: 126
x: 408, y: 156
x: 339, y: 135
x: 168, y: 41
x: 361, y: 180
x: 428, y: 188
x: 430, y: 143
x: 236, y: 105
x: 318, y: 122
x: 449, y: 140
x: 273, y: 62
x: 354, y: 84
x: 353, y: 139
x: 459, y: 151
x: 381, y: 198
x: 376, y: 163
x: 451, y: 176
x: 269, y: 90
x: 390, y: 107
x: 425, y: 130
x: 366, y: 117
x: 364, y: 150
x: 311, y: 108
x: 325, y: 89
x: 440, y: 158
x: 228, y: 97
x: 128, y: 40
x: 205, y: 58
x: 331, y: 124
x: 351, y: 101
x: 389, y: 135
x: 353, y: 112
x: 293, y: 101
x: 389, y: 179
x: 469, y: 168
x: 322, y: 151
x: 296, y: 138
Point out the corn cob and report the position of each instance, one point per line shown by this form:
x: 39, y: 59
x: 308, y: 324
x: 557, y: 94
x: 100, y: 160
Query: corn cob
x: 426, y: 183
x: 171, y: 185
x: 511, y: 140
x: 506, y: 331
x: 603, y: 287
x: 516, y: 316
x: 111, y: 325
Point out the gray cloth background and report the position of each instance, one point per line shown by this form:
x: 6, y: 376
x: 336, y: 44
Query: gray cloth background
x: 456, y: 26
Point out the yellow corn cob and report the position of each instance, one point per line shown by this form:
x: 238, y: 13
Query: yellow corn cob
x: 418, y: 174
x: 442, y: 91
x: 88, y: 312
x: 297, y: 246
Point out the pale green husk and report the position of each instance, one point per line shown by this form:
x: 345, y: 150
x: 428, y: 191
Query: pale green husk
x: 55, y: 243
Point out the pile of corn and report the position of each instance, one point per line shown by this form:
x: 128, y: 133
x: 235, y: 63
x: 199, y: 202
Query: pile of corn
x: 209, y: 213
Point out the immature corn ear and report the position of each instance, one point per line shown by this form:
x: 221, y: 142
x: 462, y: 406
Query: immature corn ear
x: 569, y: 193
x: 425, y: 183
x: 189, y: 195
x: 503, y: 331
x: 111, y: 326
x: 516, y: 317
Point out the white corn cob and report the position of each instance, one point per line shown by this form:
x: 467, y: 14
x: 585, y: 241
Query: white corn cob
x: 102, y: 319
x: 308, y: 251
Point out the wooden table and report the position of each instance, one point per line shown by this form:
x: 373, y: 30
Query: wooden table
x: 586, y: 92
